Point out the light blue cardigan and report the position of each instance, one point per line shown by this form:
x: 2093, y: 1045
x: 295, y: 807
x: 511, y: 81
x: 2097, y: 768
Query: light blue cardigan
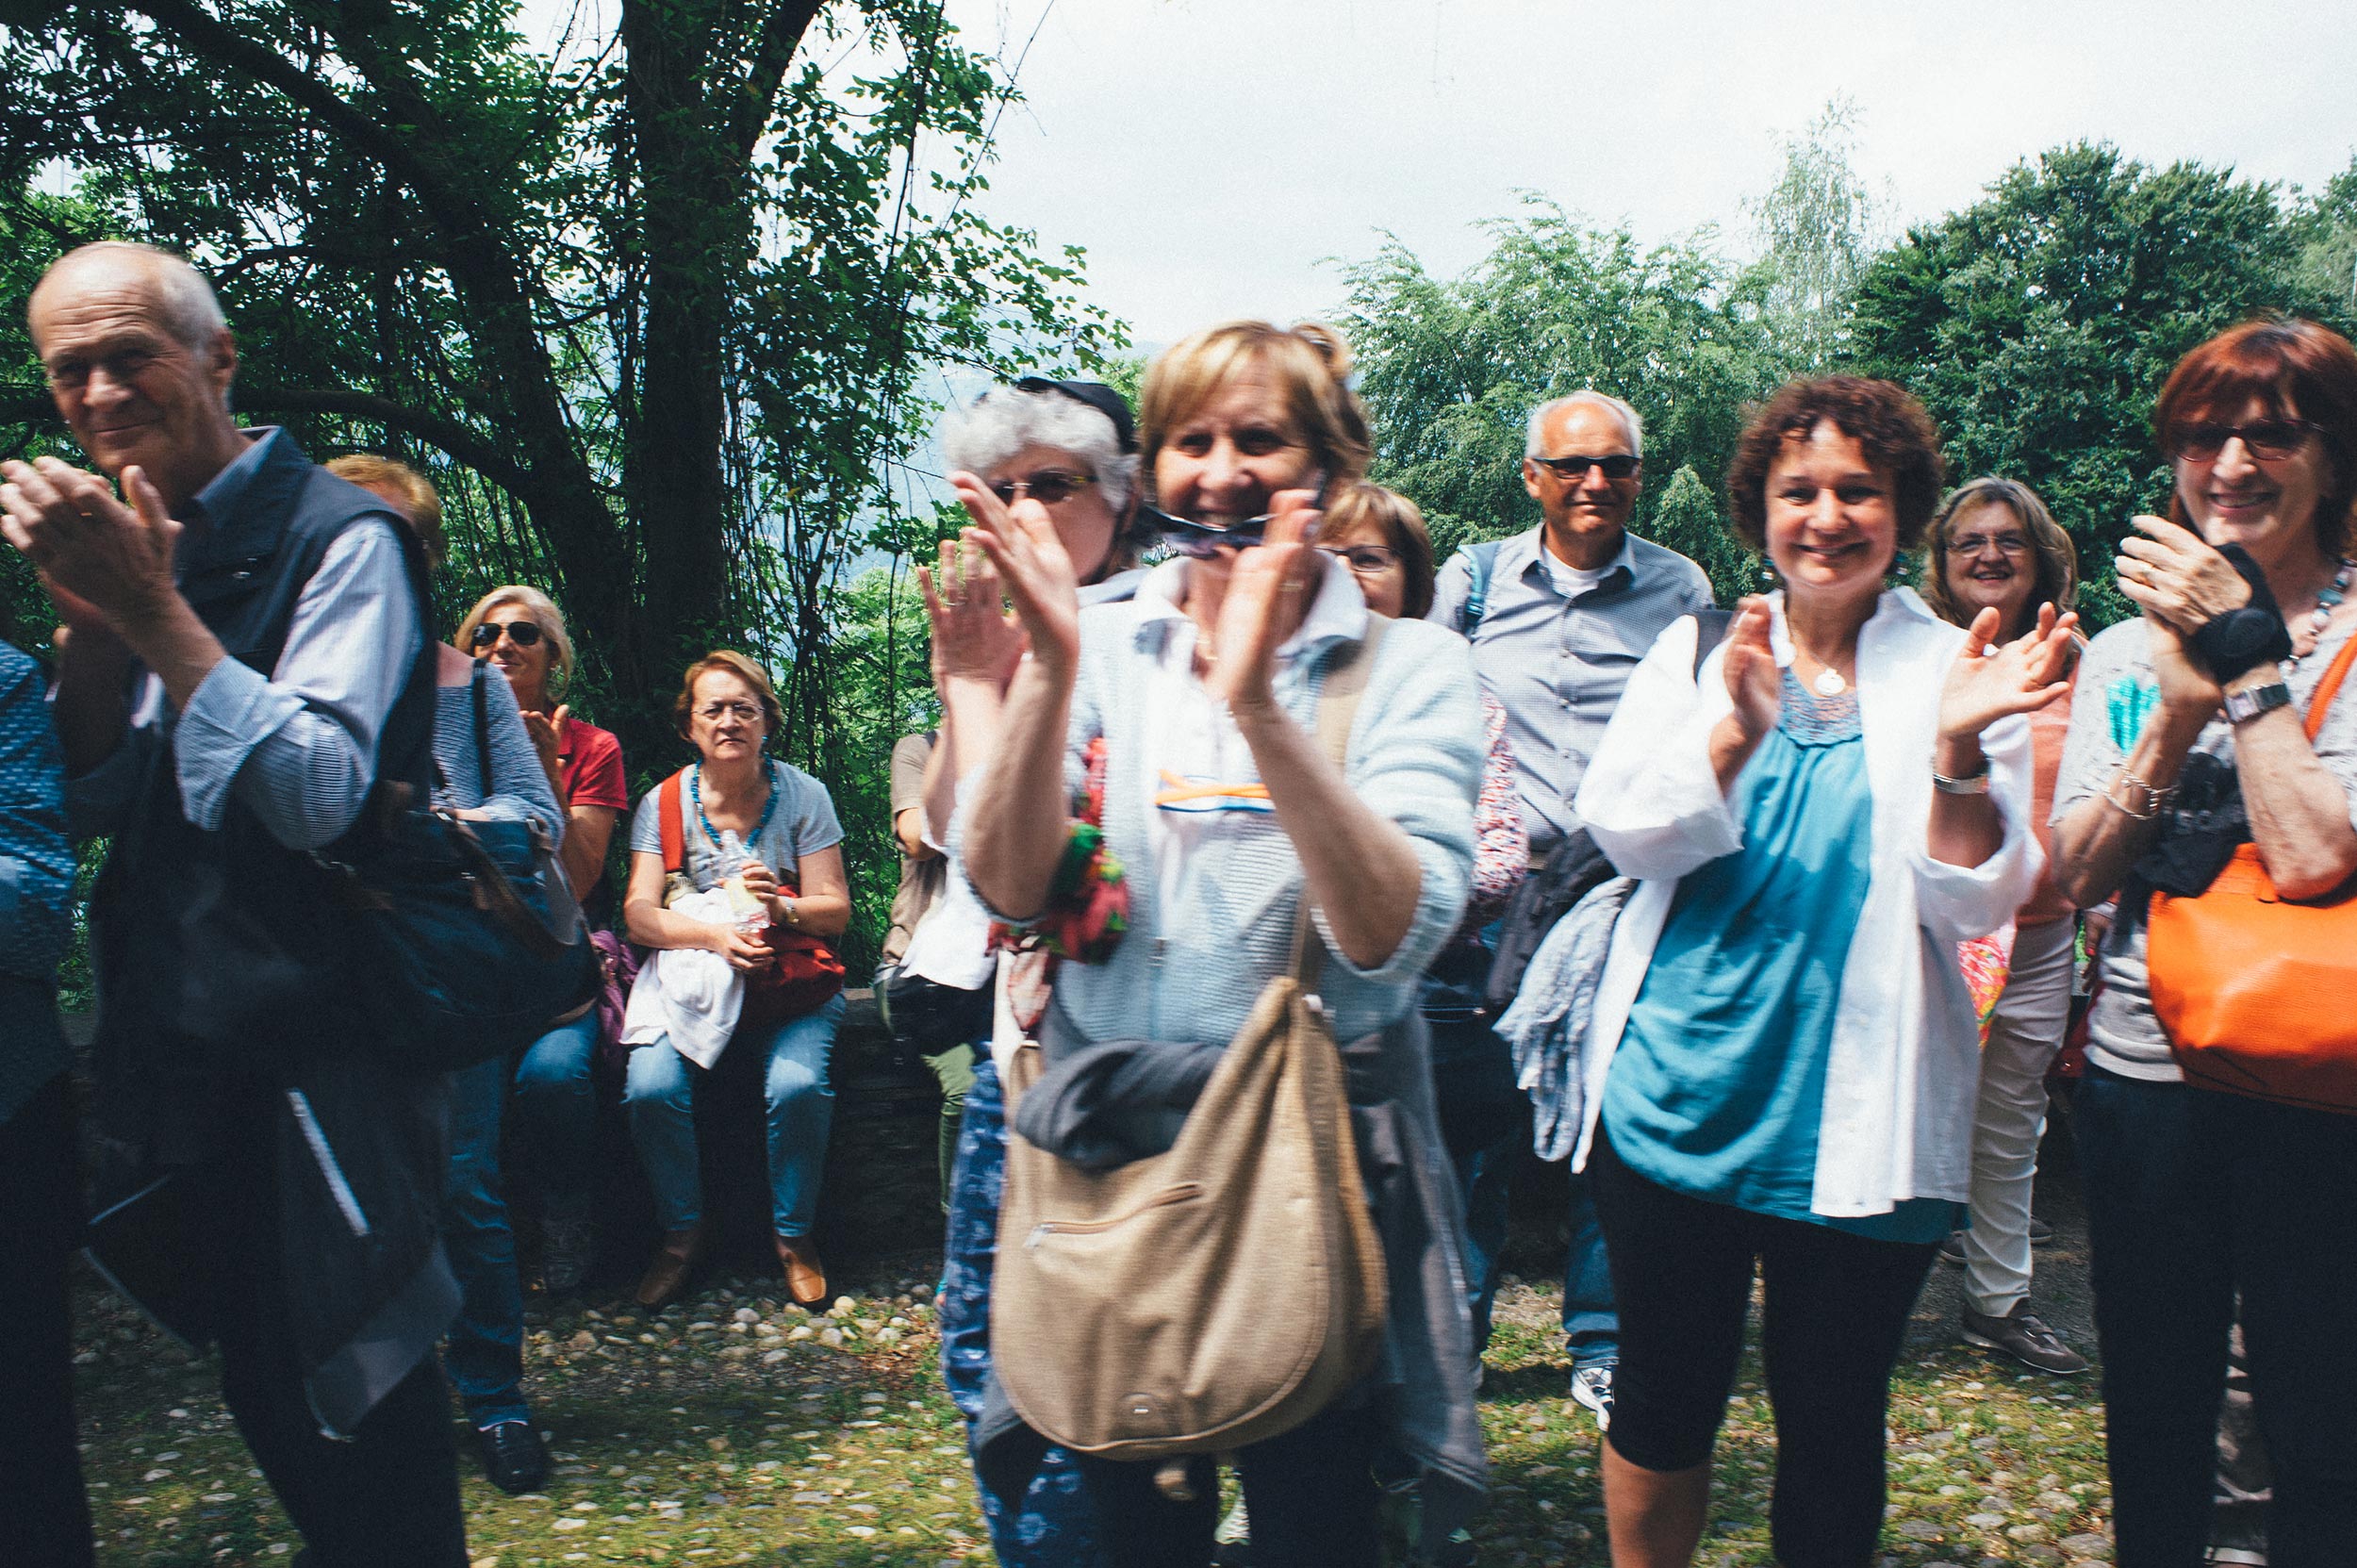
x: 1415, y: 756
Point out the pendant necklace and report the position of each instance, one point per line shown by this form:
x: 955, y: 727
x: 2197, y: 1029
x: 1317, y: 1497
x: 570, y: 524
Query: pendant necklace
x: 1829, y: 682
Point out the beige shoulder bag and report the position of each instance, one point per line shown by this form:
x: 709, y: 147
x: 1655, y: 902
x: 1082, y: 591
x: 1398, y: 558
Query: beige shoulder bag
x: 1222, y: 1293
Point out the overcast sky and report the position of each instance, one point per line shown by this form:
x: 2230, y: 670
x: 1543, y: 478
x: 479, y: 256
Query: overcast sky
x: 1210, y: 153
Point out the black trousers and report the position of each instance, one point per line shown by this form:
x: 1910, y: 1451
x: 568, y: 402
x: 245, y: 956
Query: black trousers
x: 1311, y: 1493
x: 387, y: 1495
x: 1834, y: 1314
x: 44, y: 1515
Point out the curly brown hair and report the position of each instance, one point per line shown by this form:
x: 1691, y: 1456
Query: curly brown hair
x: 1897, y: 435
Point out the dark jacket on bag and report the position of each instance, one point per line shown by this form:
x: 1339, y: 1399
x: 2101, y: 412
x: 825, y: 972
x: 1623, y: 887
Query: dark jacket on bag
x: 229, y: 1035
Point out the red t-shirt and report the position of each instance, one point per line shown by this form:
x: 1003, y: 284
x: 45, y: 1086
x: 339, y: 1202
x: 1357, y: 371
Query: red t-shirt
x: 589, y: 766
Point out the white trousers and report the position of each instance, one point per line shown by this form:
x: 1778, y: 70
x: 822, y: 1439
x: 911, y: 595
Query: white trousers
x: 2023, y: 1036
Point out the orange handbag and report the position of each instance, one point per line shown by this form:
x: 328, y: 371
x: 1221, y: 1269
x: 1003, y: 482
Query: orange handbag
x: 2258, y: 993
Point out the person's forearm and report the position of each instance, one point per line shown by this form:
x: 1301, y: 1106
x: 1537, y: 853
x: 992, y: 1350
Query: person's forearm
x: 1360, y: 868
x: 2299, y: 811
x: 2098, y: 840
x: 588, y: 833
x: 91, y: 708
x: 1965, y: 830
x: 1730, y: 749
x: 940, y: 796
x: 823, y: 914
x: 653, y: 926
x: 1018, y: 823
x: 179, y: 648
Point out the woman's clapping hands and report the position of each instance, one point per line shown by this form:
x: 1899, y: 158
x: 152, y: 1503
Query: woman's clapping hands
x: 1988, y: 682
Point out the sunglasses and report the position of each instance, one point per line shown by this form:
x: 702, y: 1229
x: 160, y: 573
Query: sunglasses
x: 1364, y: 559
x: 1617, y: 466
x: 1047, y: 487
x: 2266, y: 439
x: 522, y: 632
x: 1202, y: 539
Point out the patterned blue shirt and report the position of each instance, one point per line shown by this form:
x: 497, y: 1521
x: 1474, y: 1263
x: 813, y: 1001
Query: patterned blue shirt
x: 36, y: 883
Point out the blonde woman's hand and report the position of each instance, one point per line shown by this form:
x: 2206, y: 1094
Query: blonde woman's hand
x: 1268, y: 594
x: 1987, y: 684
x: 973, y: 636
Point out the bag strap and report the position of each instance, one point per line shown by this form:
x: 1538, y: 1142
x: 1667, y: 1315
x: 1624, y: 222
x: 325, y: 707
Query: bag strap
x: 482, y: 722
x: 2330, y: 686
x: 1338, y: 707
x: 1480, y: 560
x: 670, y: 812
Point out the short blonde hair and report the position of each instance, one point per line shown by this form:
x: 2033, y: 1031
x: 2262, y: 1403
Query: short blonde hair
x: 743, y: 668
x: 1309, y: 363
x: 420, y: 506
x: 544, y: 614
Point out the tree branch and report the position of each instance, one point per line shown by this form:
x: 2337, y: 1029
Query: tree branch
x: 781, y: 36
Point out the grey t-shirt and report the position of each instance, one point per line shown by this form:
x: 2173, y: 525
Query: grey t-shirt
x: 804, y: 823
x: 2115, y: 694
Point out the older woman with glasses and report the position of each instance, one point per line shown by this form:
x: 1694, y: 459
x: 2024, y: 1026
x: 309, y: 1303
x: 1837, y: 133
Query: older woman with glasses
x: 519, y: 631
x: 2186, y: 745
x: 1995, y: 546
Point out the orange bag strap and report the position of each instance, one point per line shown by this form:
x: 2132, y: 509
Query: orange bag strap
x: 670, y: 812
x: 2330, y: 686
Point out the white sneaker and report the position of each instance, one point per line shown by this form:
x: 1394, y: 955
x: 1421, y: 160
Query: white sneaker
x: 1591, y: 1385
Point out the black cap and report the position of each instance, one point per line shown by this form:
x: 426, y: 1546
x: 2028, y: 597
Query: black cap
x: 1098, y: 396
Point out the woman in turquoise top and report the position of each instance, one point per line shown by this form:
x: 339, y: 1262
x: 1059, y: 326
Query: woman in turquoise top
x: 1783, y: 1057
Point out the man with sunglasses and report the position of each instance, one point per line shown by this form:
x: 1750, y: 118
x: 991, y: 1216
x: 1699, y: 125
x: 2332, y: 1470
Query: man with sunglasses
x: 1558, y: 617
x: 241, y: 662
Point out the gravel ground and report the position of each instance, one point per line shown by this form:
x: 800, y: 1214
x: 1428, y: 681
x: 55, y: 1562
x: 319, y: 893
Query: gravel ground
x: 738, y: 1428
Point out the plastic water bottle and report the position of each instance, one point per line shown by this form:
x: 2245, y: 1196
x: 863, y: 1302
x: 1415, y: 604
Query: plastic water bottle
x: 734, y: 855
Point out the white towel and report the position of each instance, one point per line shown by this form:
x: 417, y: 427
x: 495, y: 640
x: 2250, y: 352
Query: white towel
x: 688, y: 995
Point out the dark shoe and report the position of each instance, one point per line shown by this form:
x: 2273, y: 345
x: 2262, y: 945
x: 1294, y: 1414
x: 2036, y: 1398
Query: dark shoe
x: 2020, y: 1335
x: 1952, y: 1250
x: 805, y: 1275
x: 514, y: 1457
x: 566, y: 1241
x: 668, y: 1270
x: 1591, y: 1385
x: 2041, y: 1234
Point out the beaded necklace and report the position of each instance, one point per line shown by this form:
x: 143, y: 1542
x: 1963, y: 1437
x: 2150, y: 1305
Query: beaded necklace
x: 696, y: 793
x: 2328, y: 599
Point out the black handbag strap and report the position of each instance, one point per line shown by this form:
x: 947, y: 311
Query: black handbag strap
x: 482, y: 722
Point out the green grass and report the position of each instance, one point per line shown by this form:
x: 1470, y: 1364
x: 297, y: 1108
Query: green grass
x: 732, y: 1430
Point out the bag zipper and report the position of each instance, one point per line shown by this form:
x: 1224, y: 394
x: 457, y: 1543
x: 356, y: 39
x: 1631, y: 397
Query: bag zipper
x: 1168, y: 1196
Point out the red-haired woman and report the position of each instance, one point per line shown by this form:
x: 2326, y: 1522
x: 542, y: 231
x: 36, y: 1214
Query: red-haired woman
x: 2186, y: 740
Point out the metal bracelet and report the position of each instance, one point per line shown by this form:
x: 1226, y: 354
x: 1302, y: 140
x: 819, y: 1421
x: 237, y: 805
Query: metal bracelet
x: 1974, y: 783
x: 2156, y: 802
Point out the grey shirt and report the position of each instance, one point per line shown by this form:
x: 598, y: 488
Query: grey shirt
x: 1557, y: 666
x: 804, y: 823
x: 2115, y: 694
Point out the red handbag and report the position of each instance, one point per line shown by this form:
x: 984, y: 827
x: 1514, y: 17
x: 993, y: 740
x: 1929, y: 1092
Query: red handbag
x: 807, y: 971
x: 2252, y: 988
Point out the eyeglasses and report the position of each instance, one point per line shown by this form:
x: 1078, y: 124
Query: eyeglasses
x: 1620, y: 465
x: 1367, y: 560
x: 1047, y: 487
x: 1965, y: 546
x: 744, y: 713
x: 1202, y: 540
x: 2269, y: 440
x: 522, y: 632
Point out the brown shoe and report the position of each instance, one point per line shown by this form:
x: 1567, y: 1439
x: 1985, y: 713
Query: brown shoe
x: 805, y: 1275
x: 667, y: 1271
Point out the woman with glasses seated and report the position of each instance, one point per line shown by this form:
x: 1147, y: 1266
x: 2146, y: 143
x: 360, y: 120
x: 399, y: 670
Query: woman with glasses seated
x: 764, y: 835
x: 1196, y: 705
x: 1995, y: 546
x: 521, y: 634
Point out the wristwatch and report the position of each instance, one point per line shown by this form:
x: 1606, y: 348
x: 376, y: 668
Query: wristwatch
x: 1974, y: 783
x: 2255, y: 701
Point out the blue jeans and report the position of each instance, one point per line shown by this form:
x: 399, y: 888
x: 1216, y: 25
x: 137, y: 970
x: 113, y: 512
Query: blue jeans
x: 659, y: 1095
x: 556, y: 1105
x: 1052, y: 1525
x: 1482, y: 1184
x: 2192, y: 1194
x: 1592, y: 1319
x: 485, y: 1356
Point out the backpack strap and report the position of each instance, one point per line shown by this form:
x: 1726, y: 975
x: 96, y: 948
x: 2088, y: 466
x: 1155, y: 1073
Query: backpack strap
x: 482, y: 723
x: 2329, y: 687
x: 1480, y: 561
x: 1338, y: 708
x: 670, y: 810
x: 1710, y: 630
